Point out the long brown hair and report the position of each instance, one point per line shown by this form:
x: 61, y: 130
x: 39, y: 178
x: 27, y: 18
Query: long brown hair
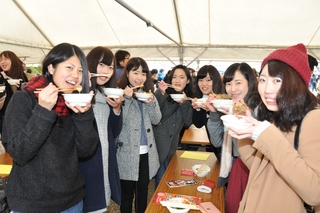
x: 17, y: 66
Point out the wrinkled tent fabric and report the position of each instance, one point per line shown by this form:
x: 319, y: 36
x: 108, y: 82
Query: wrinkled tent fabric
x: 180, y: 31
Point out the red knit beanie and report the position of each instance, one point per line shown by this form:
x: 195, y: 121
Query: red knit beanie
x: 295, y: 56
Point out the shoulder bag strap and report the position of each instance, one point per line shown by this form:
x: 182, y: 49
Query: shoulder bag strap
x: 309, y: 208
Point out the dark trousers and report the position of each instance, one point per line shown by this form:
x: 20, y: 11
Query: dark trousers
x: 137, y: 189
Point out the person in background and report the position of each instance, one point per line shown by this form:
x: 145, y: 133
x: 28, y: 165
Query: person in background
x: 100, y: 171
x: 5, y: 95
x: 175, y: 115
x: 207, y: 81
x: 166, y: 77
x: 13, y: 67
x: 241, y: 85
x: 45, y: 136
x: 313, y: 63
x: 137, y: 152
x: 122, y: 58
x: 193, y: 76
x: 154, y: 77
x: 267, y: 147
x: 161, y: 74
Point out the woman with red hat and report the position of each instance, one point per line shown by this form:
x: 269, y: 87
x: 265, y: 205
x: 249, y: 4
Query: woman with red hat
x: 283, y: 178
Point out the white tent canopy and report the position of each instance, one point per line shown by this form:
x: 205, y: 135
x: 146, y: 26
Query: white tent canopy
x: 180, y: 31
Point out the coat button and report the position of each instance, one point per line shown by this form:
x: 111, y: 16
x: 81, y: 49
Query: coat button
x: 148, y: 130
x: 150, y: 145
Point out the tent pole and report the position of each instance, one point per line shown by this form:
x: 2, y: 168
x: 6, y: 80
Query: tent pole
x: 148, y: 22
x: 197, y: 57
x: 166, y: 57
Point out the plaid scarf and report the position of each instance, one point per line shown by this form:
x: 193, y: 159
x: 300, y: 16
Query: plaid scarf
x: 41, y: 82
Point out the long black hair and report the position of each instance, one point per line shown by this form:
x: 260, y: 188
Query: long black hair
x: 63, y: 52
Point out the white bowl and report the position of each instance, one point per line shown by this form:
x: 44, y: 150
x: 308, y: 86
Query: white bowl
x: 80, y: 99
x: 2, y: 88
x: 113, y: 92
x: 233, y: 121
x: 217, y: 103
x: 175, y: 209
x: 13, y: 81
x: 143, y: 96
x: 177, y: 97
x: 204, y: 170
x: 201, y: 101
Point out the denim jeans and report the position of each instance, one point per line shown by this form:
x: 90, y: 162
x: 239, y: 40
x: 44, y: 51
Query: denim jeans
x: 160, y: 172
x: 74, y: 209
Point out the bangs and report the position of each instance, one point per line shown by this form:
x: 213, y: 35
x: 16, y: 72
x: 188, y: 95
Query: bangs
x: 202, y: 74
x: 274, y: 68
x: 107, y: 59
x: 228, y: 76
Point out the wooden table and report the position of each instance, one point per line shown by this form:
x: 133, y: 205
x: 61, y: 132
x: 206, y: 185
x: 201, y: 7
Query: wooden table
x: 173, y: 173
x: 6, y: 160
x: 195, y: 136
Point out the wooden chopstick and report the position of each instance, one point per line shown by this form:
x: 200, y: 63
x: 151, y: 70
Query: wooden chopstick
x: 136, y: 87
x: 178, y: 205
x: 97, y: 75
x: 38, y: 90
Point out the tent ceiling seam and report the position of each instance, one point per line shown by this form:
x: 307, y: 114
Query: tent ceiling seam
x: 166, y: 56
x: 33, y: 22
x: 181, y: 49
x: 209, y: 21
x: 105, y: 16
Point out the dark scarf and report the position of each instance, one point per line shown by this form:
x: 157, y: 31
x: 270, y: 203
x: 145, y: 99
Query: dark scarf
x: 41, y: 82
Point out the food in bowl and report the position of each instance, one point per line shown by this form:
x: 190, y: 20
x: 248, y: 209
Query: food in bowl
x: 13, y: 81
x: 80, y: 99
x: 201, y: 170
x: 177, y: 97
x: 179, y: 200
x: 223, y: 96
x: 235, y: 122
x: 239, y: 109
x: 201, y: 101
x: 143, y: 96
x: 113, y: 92
x: 218, y: 103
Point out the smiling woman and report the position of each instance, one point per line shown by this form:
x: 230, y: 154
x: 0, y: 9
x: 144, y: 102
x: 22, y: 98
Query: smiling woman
x: 64, y: 133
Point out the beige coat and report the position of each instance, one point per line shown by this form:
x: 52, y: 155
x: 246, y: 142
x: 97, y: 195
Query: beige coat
x: 280, y: 177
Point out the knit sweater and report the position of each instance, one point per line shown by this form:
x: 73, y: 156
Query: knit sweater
x: 45, y: 149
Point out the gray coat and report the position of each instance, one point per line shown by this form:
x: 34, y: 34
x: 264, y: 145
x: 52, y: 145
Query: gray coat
x: 174, y: 117
x: 129, y: 140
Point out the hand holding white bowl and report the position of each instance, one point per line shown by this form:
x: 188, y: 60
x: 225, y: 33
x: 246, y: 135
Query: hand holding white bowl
x: 143, y: 96
x: 177, y: 97
x: 113, y: 92
x: 218, y: 103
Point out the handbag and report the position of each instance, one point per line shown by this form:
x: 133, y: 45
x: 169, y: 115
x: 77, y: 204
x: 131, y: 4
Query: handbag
x: 309, y: 208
